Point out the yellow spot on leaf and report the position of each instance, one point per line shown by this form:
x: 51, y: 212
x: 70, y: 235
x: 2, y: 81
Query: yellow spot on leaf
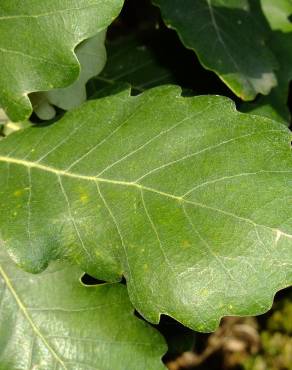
x: 204, y: 292
x: 186, y: 244
x: 84, y: 198
x: 18, y: 193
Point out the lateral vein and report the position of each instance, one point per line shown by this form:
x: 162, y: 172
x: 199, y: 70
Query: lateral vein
x: 29, y: 319
x: 95, y: 179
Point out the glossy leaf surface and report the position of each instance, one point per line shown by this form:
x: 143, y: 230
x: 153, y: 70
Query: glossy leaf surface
x: 187, y: 198
x: 37, y: 40
x: 52, y: 321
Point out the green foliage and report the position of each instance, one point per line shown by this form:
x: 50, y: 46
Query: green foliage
x: 37, y: 42
x: 137, y: 65
x: 144, y: 195
x: 91, y: 55
x: 183, y: 196
x: 220, y: 32
x: 52, y: 321
x: 275, y: 104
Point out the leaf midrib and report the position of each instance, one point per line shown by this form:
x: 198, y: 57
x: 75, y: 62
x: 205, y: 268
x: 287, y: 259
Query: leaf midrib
x: 58, y: 172
x: 29, y: 319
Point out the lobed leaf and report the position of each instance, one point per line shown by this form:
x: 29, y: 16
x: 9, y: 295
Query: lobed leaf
x: 187, y: 198
x: 52, y: 321
x: 91, y: 55
x: 229, y: 38
x: 33, y: 56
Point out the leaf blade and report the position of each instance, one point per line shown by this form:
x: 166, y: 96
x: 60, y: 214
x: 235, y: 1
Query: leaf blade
x: 275, y: 105
x: 182, y: 202
x: 214, y: 30
x: 33, y: 55
x: 63, y: 324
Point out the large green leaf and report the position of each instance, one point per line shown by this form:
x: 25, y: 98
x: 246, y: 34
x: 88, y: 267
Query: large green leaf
x: 52, y: 321
x: 37, y: 40
x: 186, y: 197
x: 229, y: 39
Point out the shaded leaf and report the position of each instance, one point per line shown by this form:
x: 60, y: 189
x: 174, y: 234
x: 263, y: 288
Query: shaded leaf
x: 229, y: 39
x: 140, y: 61
x: 275, y: 105
x: 131, y: 61
x: 33, y: 56
x: 187, y: 198
x: 52, y: 321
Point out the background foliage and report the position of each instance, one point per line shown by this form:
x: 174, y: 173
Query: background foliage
x: 239, y: 49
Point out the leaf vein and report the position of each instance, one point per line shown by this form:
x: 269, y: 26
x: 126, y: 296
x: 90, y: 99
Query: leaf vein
x: 73, y: 219
x: 29, y: 319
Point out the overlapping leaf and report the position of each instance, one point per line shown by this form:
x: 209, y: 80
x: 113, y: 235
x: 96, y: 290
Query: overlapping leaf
x: 52, y: 321
x: 275, y: 104
x: 187, y: 198
x: 37, y: 39
x: 277, y: 13
x: 131, y: 61
x: 140, y: 61
x: 229, y: 38
x: 91, y: 55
